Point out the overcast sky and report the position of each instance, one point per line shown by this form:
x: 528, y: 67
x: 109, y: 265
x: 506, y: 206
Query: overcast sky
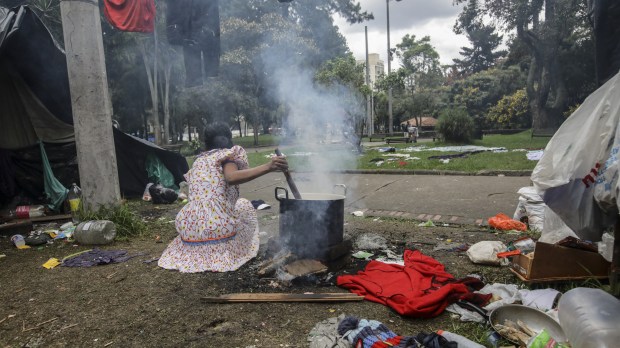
x: 434, y: 18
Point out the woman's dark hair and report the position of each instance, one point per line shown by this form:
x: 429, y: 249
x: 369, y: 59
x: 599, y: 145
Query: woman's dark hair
x: 218, y: 136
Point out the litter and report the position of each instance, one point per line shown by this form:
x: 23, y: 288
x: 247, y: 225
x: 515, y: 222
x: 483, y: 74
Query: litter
x: 485, y: 252
x: 362, y: 255
x: 502, y: 222
x: 428, y: 223
x: 51, y: 263
x: 259, y: 204
x: 370, y: 241
x: 358, y: 213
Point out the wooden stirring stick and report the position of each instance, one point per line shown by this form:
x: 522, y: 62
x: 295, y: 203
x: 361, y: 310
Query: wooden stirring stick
x: 289, y: 179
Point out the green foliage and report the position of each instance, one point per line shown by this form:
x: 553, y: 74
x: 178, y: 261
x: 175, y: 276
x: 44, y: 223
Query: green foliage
x: 128, y: 223
x: 420, y: 61
x: 455, y: 125
x: 479, y: 92
x: 483, y: 54
x: 512, y: 111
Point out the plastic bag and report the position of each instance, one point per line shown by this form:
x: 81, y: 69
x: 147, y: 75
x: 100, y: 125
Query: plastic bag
x: 573, y: 158
x: 486, y: 252
x: 554, y: 229
x: 158, y: 173
x: 146, y: 196
x: 162, y: 195
x: 531, y: 208
x: 503, y: 222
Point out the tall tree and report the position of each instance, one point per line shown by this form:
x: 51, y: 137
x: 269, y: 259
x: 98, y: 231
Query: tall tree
x: 484, y: 40
x: 544, y: 26
x: 420, y: 59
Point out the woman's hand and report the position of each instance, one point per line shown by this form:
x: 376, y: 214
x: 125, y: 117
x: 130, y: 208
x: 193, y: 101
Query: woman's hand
x: 278, y: 163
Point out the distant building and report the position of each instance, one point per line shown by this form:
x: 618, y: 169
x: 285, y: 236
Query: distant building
x: 375, y: 65
x: 428, y: 123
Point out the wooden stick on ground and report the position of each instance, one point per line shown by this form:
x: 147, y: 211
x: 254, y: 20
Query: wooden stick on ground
x: 281, y: 297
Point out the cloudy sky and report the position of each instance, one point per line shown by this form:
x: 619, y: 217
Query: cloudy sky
x: 434, y: 18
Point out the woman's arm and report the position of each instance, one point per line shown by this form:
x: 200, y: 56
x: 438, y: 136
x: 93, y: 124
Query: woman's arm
x: 234, y: 176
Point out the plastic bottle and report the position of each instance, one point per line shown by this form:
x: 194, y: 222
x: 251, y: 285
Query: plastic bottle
x: 75, y: 201
x: 460, y: 340
x: 590, y: 318
x: 95, y: 232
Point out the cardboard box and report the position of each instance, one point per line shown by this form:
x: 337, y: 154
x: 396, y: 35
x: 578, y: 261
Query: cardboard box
x: 551, y: 262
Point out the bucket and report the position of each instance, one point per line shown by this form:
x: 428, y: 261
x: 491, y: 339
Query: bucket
x: 95, y: 232
x: 309, y: 226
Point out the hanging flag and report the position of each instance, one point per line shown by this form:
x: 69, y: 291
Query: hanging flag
x: 131, y: 15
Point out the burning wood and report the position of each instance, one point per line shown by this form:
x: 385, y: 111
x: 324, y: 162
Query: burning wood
x: 270, y: 266
x: 305, y: 267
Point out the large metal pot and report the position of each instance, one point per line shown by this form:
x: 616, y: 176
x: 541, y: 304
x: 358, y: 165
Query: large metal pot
x: 309, y: 226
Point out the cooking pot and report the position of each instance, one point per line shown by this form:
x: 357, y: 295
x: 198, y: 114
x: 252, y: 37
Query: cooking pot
x: 309, y: 226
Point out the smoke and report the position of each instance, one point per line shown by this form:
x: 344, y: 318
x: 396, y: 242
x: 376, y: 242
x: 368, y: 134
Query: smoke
x: 321, y: 120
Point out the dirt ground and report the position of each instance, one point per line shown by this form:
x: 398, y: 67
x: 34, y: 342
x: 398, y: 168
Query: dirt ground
x: 137, y: 304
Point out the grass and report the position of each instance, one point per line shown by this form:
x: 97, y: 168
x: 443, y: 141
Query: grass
x: 128, y: 223
x: 484, y: 161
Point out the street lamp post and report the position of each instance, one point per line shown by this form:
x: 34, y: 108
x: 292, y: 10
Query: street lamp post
x: 389, y: 63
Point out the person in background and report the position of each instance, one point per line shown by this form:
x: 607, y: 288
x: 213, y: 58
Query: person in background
x: 218, y: 231
x: 413, y: 133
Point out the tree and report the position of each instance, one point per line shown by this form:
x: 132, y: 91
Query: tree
x: 483, y: 54
x: 544, y: 27
x: 420, y: 60
x: 511, y: 111
x: 346, y: 78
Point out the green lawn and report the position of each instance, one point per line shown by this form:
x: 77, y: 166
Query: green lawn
x: 511, y: 160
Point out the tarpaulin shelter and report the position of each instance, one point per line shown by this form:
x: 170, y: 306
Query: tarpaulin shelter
x: 35, y: 106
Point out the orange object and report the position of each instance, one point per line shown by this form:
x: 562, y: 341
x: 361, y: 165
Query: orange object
x: 503, y: 222
x: 509, y: 253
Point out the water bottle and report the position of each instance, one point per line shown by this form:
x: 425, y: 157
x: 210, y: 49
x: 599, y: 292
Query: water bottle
x: 95, y: 232
x: 460, y: 340
x: 590, y: 318
x: 75, y: 201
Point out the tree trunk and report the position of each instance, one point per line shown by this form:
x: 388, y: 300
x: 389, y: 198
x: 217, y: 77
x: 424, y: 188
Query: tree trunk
x: 166, y: 102
x: 544, y: 81
x: 152, y: 81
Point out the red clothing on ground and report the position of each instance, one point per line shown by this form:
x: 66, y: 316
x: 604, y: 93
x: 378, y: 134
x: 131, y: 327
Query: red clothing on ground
x: 421, y: 288
x: 131, y: 15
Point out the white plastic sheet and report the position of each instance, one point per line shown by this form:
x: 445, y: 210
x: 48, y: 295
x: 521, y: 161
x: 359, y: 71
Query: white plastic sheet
x: 570, y: 165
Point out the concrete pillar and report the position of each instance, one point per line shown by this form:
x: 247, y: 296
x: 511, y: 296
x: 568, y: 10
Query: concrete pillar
x: 91, y: 104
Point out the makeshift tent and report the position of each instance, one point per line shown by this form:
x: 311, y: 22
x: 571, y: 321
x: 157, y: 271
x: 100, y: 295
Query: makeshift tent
x: 35, y: 105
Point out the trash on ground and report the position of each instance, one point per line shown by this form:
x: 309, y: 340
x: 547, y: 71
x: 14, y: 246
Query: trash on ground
x: 19, y: 241
x: 555, y: 262
x: 370, y: 241
x: 387, y: 149
x: 325, y: 334
x: 530, y: 208
x: 51, y: 263
x: 358, y: 213
x: 502, y: 222
x: 95, y: 232
x: 97, y: 257
x: 485, y: 252
x: 534, y: 155
x: 428, y: 223
x: 259, y: 204
x: 362, y: 255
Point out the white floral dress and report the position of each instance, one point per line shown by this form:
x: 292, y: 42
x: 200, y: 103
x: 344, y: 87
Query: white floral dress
x: 218, y: 231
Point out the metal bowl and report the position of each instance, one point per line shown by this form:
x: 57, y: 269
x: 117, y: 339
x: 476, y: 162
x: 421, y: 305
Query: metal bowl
x: 533, y: 318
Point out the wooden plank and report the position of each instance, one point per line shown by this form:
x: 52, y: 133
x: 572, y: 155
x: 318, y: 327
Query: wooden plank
x: 282, y: 297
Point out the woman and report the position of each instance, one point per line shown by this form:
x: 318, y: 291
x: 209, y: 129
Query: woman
x: 217, y: 230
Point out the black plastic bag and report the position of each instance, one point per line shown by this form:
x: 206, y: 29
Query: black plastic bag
x: 162, y: 195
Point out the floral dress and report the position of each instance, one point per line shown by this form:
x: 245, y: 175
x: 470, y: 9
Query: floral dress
x: 218, y: 231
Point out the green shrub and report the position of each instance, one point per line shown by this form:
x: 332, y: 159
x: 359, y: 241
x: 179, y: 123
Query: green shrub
x: 128, y: 223
x: 191, y: 148
x: 455, y: 125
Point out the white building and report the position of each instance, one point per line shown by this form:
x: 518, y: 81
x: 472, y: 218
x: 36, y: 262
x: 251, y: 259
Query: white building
x: 375, y: 65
